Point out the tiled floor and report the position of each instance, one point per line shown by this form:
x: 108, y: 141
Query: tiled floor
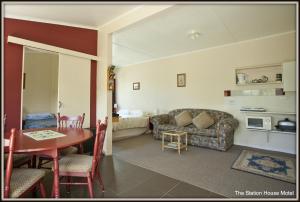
x: 125, y: 180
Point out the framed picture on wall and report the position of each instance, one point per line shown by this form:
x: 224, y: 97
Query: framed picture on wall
x: 181, y: 80
x: 136, y: 86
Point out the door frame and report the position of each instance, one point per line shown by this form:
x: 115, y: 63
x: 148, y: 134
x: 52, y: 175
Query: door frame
x: 22, y: 82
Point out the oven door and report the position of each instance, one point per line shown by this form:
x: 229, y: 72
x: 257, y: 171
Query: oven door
x: 254, y: 122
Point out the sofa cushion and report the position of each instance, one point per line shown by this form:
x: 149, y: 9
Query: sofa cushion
x: 183, y: 119
x: 165, y: 127
x: 203, y: 120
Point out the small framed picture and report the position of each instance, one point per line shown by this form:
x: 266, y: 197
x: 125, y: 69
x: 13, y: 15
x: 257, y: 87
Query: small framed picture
x: 136, y: 86
x: 181, y: 80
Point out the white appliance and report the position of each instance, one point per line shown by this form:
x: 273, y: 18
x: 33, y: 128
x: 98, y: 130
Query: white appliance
x: 258, y: 122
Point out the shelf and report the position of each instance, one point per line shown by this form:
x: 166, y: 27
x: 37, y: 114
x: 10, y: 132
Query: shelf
x: 258, y: 92
x: 273, y: 131
x: 266, y: 83
x: 259, y: 75
x: 283, y: 113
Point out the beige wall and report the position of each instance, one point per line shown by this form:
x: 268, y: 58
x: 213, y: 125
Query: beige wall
x: 40, y: 94
x: 209, y: 72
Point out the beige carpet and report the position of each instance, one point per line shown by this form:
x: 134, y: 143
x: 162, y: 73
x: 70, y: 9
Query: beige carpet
x: 206, y: 168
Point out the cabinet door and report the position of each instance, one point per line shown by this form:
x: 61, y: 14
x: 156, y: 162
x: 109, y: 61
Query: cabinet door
x: 289, y: 76
x: 74, y: 87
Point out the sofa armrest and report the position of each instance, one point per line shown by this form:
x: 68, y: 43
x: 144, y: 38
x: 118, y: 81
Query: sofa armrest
x: 227, y: 126
x: 159, y: 119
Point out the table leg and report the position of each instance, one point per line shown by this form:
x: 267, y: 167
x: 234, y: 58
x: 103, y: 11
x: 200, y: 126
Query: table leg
x: 186, y: 143
x: 33, y: 162
x: 56, y: 175
x: 178, y: 137
x: 162, y: 142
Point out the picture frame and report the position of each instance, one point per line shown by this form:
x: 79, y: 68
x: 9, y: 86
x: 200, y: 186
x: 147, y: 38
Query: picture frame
x: 136, y: 86
x: 181, y: 80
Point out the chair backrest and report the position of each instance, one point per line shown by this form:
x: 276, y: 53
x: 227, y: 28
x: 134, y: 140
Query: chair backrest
x: 98, y: 145
x: 70, y: 121
x: 9, y: 165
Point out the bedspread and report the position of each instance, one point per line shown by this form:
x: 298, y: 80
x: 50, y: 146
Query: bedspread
x: 132, y: 122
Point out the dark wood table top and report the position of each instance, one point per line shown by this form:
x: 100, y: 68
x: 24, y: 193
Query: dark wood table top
x: 74, y: 136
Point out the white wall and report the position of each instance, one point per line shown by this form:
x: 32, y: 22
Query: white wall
x: 209, y: 72
x: 40, y: 94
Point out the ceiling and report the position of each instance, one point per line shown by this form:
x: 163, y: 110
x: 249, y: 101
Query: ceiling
x: 90, y: 14
x: 166, y: 33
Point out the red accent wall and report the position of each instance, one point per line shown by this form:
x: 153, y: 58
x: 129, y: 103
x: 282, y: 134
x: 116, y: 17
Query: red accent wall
x: 73, y: 38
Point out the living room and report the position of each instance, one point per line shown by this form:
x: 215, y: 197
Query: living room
x: 211, y: 75
x: 148, y: 79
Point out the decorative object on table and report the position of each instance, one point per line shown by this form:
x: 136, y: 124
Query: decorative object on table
x: 136, y: 86
x: 277, y: 167
x: 241, y: 78
x: 44, y: 135
x: 181, y: 80
x: 110, y: 77
x: 286, y: 125
x: 278, y: 77
x: 227, y: 93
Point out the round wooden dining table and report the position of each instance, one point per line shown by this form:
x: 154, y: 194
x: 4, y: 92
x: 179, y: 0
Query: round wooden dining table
x: 50, y: 147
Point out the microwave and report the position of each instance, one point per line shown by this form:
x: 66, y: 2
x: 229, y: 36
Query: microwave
x: 258, y: 122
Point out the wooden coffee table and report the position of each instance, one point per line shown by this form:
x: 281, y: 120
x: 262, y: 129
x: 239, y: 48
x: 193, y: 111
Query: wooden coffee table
x: 177, y: 144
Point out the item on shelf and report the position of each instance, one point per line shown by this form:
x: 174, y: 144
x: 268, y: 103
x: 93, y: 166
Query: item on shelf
x: 286, y: 125
x: 227, y: 93
x: 278, y: 77
x: 256, y: 81
x: 279, y: 91
x: 253, y: 109
x: 241, y: 78
x: 264, y: 79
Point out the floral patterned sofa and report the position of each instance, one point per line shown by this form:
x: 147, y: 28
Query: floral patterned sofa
x: 218, y: 136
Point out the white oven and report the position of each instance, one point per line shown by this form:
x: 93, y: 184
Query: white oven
x: 258, y: 122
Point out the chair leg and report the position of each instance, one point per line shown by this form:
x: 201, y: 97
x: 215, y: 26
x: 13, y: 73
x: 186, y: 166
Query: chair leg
x: 42, y: 188
x: 33, y: 161
x: 40, y: 163
x: 52, y: 192
x: 90, y: 186
x: 100, y: 180
x: 33, y: 192
x: 80, y: 149
x: 29, y: 163
x: 68, y: 186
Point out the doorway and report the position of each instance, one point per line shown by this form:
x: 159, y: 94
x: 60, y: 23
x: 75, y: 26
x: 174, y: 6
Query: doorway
x: 40, y: 86
x: 52, y: 83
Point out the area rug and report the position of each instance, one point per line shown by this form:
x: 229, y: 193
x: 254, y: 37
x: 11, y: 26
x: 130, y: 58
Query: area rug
x: 277, y: 167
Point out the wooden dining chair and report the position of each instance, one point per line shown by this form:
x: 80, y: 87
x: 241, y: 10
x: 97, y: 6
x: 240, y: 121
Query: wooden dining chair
x: 71, y: 122
x: 66, y: 122
x: 19, y: 159
x: 85, y: 166
x: 19, y: 181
